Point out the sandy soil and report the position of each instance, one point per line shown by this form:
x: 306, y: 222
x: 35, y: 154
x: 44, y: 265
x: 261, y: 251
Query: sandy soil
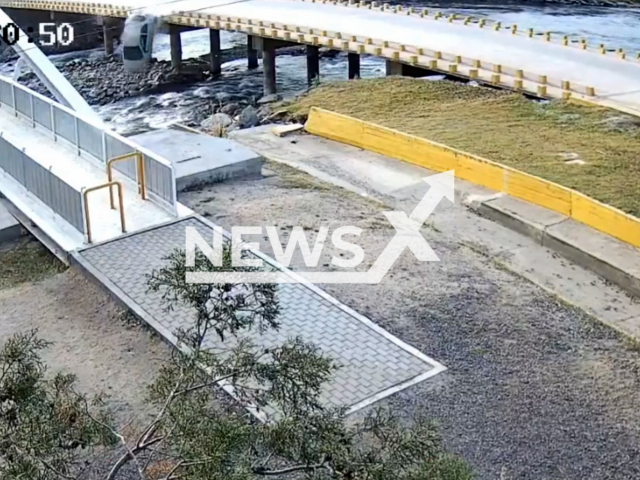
x: 91, y: 338
x: 535, y: 389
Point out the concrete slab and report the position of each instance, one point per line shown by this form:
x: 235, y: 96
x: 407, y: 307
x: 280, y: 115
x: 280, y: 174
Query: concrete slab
x: 614, y: 260
x: 201, y: 159
x: 523, y: 217
x: 10, y: 228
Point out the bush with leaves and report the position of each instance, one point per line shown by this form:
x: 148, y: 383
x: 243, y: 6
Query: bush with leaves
x: 44, y: 422
x: 195, y: 436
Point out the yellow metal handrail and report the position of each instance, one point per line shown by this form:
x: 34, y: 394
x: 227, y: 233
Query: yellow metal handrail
x: 142, y: 181
x: 120, y: 202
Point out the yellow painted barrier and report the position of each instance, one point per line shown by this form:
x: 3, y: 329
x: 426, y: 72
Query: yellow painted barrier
x: 474, y: 169
x: 339, y: 128
x: 605, y: 218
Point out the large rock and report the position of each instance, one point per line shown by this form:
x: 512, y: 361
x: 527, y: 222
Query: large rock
x: 231, y: 109
x: 217, y: 121
x: 248, y: 118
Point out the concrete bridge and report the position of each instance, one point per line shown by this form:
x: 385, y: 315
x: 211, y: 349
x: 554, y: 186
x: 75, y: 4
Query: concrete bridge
x: 414, y: 43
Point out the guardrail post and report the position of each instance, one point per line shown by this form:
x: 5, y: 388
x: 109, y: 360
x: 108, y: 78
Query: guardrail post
x: 53, y: 122
x: 104, y: 147
x: 77, y: 132
x: 13, y: 94
x: 33, y: 113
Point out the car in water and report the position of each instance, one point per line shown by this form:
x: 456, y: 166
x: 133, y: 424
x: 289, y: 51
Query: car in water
x: 137, y: 41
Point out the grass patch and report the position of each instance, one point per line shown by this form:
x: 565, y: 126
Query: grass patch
x: 537, y: 138
x: 27, y: 261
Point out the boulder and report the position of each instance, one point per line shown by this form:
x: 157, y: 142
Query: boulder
x: 231, y: 109
x: 217, y: 121
x: 248, y: 118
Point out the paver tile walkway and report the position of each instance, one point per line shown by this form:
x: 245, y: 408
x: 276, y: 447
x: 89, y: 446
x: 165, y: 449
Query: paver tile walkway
x: 373, y: 362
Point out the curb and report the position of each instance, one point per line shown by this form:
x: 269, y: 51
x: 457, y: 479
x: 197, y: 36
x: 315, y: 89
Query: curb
x: 601, y: 263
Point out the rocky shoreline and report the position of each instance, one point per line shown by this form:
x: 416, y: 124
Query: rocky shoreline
x: 597, y: 3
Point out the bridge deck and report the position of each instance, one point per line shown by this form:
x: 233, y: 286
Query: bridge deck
x: 615, y: 80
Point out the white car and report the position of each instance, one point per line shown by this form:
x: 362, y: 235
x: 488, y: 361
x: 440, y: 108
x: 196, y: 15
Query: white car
x: 137, y: 41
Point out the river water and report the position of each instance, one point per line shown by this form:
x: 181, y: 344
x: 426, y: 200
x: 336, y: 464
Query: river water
x: 615, y: 27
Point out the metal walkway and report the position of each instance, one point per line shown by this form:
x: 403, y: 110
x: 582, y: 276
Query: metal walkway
x: 52, y: 161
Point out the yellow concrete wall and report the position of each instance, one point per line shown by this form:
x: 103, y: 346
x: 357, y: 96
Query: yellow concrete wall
x: 474, y: 169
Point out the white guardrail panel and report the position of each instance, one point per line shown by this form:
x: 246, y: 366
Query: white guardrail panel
x: 89, y: 138
x: 58, y: 195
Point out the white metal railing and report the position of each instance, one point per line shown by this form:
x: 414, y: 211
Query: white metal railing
x: 89, y: 138
x: 62, y: 198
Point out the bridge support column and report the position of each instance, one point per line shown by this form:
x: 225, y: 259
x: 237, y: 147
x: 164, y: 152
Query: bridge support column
x: 109, y: 33
x: 176, y: 46
x: 252, y: 52
x: 313, y: 63
x: 396, y: 68
x: 354, y: 65
x: 393, y: 68
x: 269, y: 66
x: 214, y: 55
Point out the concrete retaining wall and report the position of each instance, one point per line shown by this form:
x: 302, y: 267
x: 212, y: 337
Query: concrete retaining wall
x: 478, y: 170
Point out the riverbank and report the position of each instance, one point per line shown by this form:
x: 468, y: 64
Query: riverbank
x: 592, y: 150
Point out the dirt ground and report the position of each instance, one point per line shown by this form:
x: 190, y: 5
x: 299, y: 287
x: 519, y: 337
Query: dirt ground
x: 535, y: 389
x: 92, y: 338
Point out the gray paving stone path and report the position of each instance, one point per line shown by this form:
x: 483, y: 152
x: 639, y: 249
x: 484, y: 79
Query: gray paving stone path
x: 373, y: 363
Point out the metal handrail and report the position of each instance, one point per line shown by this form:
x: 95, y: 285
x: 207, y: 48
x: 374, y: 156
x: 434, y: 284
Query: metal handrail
x: 86, y: 205
x: 142, y: 187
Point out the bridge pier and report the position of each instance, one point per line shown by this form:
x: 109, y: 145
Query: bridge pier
x: 313, y: 63
x: 176, y: 46
x: 110, y: 32
x: 269, y: 65
x: 354, y: 65
x: 214, y: 55
x: 401, y: 69
x: 252, y: 52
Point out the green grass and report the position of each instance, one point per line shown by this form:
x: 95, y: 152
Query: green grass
x: 534, y: 137
x: 27, y: 261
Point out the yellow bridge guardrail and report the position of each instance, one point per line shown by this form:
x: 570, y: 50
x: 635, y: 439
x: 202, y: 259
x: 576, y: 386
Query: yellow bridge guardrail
x: 108, y: 9
x: 142, y: 187
x: 475, y: 169
x: 85, y: 195
x: 464, y: 20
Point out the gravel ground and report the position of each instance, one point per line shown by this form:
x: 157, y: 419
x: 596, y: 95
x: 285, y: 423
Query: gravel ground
x: 535, y: 389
